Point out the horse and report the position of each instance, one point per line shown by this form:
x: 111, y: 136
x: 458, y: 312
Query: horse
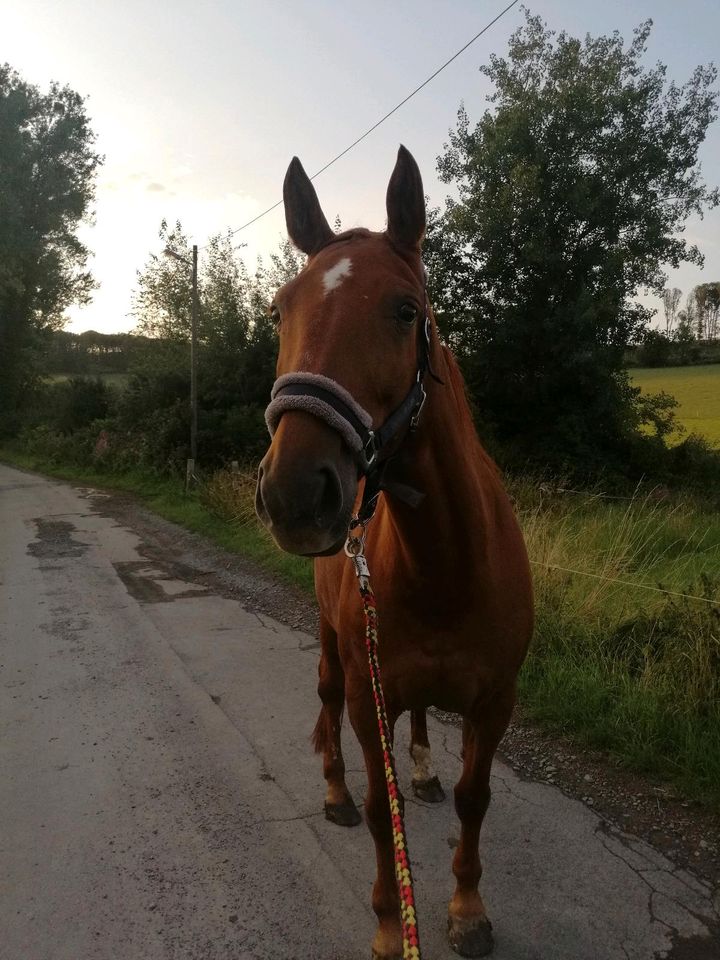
x: 369, y: 411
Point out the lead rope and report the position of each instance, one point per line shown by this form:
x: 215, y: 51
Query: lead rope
x: 355, y: 549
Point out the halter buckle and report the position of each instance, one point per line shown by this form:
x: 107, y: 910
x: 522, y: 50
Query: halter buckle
x: 370, y: 450
x: 415, y: 418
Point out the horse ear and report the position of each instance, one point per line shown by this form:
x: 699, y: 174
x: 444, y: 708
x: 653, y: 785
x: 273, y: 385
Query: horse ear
x: 406, y: 202
x: 306, y: 224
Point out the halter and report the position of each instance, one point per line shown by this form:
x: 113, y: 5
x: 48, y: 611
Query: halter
x: 329, y: 401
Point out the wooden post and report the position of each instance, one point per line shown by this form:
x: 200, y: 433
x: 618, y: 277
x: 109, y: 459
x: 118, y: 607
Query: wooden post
x: 193, y: 360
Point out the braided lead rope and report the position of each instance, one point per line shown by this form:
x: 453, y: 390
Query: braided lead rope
x: 403, y: 872
x: 354, y: 548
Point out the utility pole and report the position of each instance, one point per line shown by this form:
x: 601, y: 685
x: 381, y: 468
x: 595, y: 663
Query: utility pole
x: 193, y: 359
x: 190, y: 469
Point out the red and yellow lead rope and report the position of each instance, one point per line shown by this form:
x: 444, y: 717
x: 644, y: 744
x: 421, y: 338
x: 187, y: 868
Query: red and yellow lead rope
x: 403, y: 873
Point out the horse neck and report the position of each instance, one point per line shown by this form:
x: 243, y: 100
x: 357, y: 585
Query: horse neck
x: 446, y: 463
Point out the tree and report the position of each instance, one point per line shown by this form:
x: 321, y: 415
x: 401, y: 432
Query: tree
x: 690, y: 314
x: 706, y: 298
x: 47, y: 186
x: 237, y: 344
x: 686, y: 344
x: 232, y: 303
x: 162, y: 301
x: 285, y: 263
x: 573, y: 191
x: 712, y: 308
x: 671, y: 302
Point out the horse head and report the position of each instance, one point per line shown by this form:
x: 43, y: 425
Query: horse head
x: 353, y: 327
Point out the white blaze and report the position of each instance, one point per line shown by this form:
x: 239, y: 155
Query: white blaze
x: 335, y: 275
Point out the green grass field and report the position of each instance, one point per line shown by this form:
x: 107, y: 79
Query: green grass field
x: 696, y: 388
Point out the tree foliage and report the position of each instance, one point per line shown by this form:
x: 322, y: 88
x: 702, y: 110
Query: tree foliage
x: 47, y: 182
x: 91, y: 352
x: 574, y: 187
x: 236, y: 345
x: 671, y: 303
x: 707, y: 310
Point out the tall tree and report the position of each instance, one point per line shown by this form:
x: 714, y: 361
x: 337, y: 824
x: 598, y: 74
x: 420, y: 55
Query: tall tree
x: 162, y: 301
x: 573, y: 190
x: 706, y: 298
x: 237, y: 342
x: 47, y: 186
x: 671, y: 302
x: 285, y: 263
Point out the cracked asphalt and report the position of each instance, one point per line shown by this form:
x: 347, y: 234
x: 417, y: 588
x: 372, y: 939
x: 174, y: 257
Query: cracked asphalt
x: 160, y: 799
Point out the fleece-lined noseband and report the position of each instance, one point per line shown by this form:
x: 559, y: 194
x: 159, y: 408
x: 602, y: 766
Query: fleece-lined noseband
x: 329, y: 401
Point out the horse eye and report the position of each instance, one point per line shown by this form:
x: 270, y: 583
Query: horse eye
x: 275, y: 315
x: 408, y: 313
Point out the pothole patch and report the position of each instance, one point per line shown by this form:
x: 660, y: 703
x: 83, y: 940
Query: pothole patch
x: 151, y: 582
x: 54, y: 540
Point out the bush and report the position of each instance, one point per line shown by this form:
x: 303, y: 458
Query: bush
x: 68, y: 405
x: 656, y: 350
x: 58, y: 449
x: 235, y: 433
x: 695, y: 463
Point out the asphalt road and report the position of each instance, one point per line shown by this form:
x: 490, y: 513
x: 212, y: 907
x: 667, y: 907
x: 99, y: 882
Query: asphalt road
x: 159, y: 798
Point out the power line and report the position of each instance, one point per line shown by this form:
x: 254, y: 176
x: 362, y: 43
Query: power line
x: 387, y: 115
x: 626, y: 583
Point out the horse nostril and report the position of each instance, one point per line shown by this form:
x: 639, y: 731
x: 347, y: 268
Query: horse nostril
x: 329, y: 501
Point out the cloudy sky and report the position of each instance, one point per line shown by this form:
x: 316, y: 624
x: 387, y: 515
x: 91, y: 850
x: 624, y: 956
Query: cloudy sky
x: 199, y: 107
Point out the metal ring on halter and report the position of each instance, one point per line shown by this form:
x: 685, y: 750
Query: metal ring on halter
x: 355, y: 546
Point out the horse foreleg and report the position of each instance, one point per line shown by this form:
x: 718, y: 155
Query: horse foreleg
x: 469, y: 929
x: 339, y: 805
x: 425, y: 783
x: 387, y: 944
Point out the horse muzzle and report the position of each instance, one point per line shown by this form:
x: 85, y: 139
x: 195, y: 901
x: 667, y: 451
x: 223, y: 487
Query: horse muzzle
x: 306, y: 501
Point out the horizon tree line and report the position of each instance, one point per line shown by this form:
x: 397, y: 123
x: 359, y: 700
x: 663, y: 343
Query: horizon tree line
x: 700, y: 317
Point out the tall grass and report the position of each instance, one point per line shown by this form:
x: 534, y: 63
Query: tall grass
x: 632, y: 670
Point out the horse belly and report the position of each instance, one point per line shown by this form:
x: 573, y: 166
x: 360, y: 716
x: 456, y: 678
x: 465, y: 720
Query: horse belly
x: 454, y: 669
x: 451, y: 682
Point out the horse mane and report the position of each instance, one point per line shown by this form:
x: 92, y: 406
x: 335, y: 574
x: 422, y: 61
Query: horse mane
x: 347, y: 235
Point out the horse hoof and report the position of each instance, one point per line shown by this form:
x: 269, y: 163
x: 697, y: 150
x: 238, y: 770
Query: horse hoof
x: 470, y: 938
x: 343, y: 814
x: 430, y: 791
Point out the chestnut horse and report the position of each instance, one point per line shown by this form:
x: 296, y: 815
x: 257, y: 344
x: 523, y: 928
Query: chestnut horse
x: 359, y: 353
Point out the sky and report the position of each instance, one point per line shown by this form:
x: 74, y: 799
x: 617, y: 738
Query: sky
x: 199, y: 107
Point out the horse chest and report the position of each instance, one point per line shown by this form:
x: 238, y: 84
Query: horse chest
x: 423, y: 666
